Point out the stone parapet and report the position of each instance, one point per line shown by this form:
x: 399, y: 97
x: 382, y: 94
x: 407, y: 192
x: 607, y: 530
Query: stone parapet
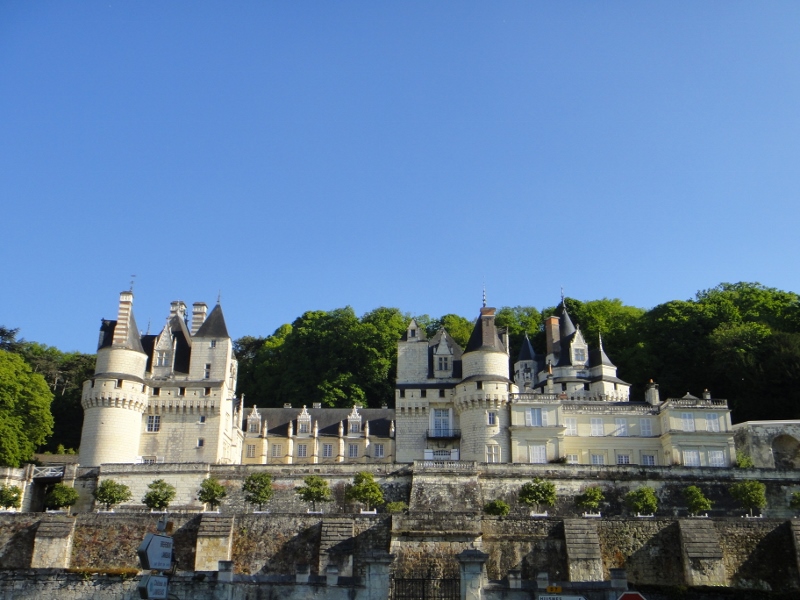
x: 583, y: 550
x: 701, y: 552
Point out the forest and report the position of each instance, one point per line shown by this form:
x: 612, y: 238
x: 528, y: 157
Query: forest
x: 741, y: 341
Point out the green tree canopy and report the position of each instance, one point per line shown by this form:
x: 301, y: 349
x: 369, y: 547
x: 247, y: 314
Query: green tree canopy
x: 365, y: 490
x: 696, y: 501
x: 538, y: 493
x: 642, y: 501
x: 60, y: 496
x: 590, y: 499
x: 257, y: 488
x: 10, y: 496
x: 496, y: 508
x: 315, y: 489
x: 212, y: 492
x: 25, y: 418
x: 159, y: 495
x: 110, y: 493
x: 750, y: 494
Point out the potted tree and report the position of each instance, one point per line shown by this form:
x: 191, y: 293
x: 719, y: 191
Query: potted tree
x: 496, y: 508
x: 110, y: 493
x: 10, y: 497
x: 60, y: 497
x: 750, y: 494
x: 257, y: 489
x: 365, y: 490
x: 212, y: 492
x: 794, y: 501
x: 590, y: 501
x: 159, y: 496
x: 642, y: 501
x: 538, y: 493
x: 315, y: 490
x: 696, y: 502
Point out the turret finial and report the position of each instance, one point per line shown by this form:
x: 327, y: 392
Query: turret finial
x: 133, y: 280
x: 484, y: 295
x: 562, y: 294
x: 219, y: 297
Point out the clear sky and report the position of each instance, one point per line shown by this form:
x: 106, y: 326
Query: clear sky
x: 302, y: 156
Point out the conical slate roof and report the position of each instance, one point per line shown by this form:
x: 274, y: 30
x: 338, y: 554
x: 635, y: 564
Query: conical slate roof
x: 526, y: 352
x: 484, y: 336
x: 599, y: 357
x: 214, y: 326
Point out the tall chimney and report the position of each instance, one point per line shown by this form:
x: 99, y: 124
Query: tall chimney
x: 651, y: 395
x: 123, y: 319
x: 199, y: 310
x: 552, y: 334
x: 177, y: 308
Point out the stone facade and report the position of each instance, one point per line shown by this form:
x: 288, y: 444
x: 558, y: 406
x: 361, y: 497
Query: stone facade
x: 771, y: 444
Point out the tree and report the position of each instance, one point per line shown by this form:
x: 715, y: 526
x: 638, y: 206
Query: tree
x: 537, y: 493
x: 10, y: 496
x: 696, y: 501
x: 743, y: 460
x: 160, y: 495
x: 642, y: 501
x: 458, y: 327
x: 60, y: 496
x: 750, y: 494
x: 366, y: 490
x: 257, y: 489
x: 590, y: 499
x: 25, y: 418
x: 110, y: 493
x: 496, y: 508
x: 794, y: 501
x: 315, y: 490
x: 212, y: 492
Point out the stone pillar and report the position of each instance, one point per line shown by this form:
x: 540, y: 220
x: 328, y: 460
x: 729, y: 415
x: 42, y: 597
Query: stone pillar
x: 472, y: 565
x: 701, y: 552
x: 52, y: 545
x: 214, y: 542
x: 378, y: 575
x: 583, y: 550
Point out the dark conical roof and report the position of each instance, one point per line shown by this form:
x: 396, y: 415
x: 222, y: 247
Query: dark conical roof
x: 484, y: 336
x: 599, y: 357
x: 526, y: 352
x: 214, y: 325
x: 565, y: 356
x: 565, y: 325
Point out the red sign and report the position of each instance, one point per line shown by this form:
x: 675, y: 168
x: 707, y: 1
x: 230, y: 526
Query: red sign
x: 631, y: 596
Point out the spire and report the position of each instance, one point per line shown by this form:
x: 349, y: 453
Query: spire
x: 599, y: 357
x: 214, y: 326
x: 484, y: 295
x: 565, y: 324
x: 526, y: 352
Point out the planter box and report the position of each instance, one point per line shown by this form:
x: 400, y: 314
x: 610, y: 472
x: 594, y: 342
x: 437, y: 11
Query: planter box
x: 591, y: 515
x: 641, y: 516
x: 369, y: 512
x: 314, y: 512
x: 539, y: 515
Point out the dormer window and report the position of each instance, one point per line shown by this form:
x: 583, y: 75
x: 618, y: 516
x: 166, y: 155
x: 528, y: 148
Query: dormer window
x: 354, y: 421
x: 161, y: 358
x: 580, y: 354
x: 355, y: 427
x: 212, y: 344
x: 412, y: 333
x: 254, y: 421
x: 443, y: 363
x: 304, y: 422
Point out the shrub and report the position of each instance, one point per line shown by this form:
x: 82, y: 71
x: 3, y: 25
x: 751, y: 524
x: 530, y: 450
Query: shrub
x: 366, y: 490
x: 160, y: 495
x: 109, y: 493
x: 750, y: 494
x: 590, y: 499
x: 743, y: 460
x: 537, y: 493
x: 212, y: 492
x: 642, y: 501
x: 10, y: 496
x: 396, y: 507
x: 315, y: 490
x: 257, y: 489
x: 496, y: 508
x: 695, y: 500
x: 61, y: 496
x: 794, y: 501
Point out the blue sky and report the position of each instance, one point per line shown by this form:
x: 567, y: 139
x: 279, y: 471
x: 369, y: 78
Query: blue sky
x: 310, y: 155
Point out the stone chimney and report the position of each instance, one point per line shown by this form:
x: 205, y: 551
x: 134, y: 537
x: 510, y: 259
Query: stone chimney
x: 199, y: 310
x: 123, y: 319
x: 651, y: 395
x: 706, y: 395
x: 177, y: 308
x: 552, y: 334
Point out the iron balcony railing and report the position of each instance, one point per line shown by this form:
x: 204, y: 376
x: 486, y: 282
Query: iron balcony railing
x: 444, y: 434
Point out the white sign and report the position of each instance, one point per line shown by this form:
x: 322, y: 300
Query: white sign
x: 155, y: 552
x: 153, y: 586
x: 559, y: 597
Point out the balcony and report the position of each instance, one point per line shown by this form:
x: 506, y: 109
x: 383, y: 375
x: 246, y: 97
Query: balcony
x: 444, y: 434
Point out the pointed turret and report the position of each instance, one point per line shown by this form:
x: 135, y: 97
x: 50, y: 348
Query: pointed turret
x: 214, y: 326
x: 526, y: 352
x: 525, y: 367
x: 599, y: 357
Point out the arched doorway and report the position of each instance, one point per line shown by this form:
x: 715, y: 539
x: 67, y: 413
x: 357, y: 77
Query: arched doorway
x: 786, y: 452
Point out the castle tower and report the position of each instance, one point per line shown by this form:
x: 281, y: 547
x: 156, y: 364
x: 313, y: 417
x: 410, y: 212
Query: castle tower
x: 526, y: 366
x: 115, y: 398
x: 482, y: 396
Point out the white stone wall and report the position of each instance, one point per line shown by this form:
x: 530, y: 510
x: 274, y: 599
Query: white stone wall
x: 473, y: 406
x: 110, y: 435
x: 219, y: 357
x: 121, y: 360
x: 412, y: 362
x: 411, y: 424
x: 484, y: 363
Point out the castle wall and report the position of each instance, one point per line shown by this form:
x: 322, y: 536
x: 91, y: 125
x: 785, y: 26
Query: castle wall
x: 485, y: 363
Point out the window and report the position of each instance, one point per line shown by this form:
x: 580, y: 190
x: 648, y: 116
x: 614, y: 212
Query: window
x: 161, y: 358
x: 491, y: 418
x: 303, y: 426
x: 538, y: 454
x: 202, y: 419
x: 327, y: 450
x: 493, y: 454
x: 402, y: 393
x: 691, y: 458
x: 649, y: 460
x: 621, y: 427
x: 252, y: 425
x: 251, y: 450
x: 580, y: 354
x: 597, y: 426
x: 118, y: 384
x: 277, y: 451
x: 212, y: 344
x: 572, y: 459
x: 598, y: 459
x: 535, y: 417
x: 207, y: 371
x: 378, y: 451
x: 355, y: 427
x: 623, y: 459
x: 302, y: 450
x: 646, y: 427
x: 413, y: 332
x: 712, y: 422
x: 443, y: 363
x: 479, y: 385
x: 352, y: 451
x: 182, y: 391
x: 207, y: 391
x: 441, y: 393
x: 571, y: 424
x: 423, y: 393
x: 200, y: 442
x: 153, y: 423
x: 687, y: 420
x: 156, y: 391
x: 441, y: 421
x: 716, y: 458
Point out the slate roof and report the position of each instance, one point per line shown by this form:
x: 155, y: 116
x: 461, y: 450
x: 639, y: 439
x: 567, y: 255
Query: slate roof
x: 599, y: 357
x: 420, y: 335
x: 214, y: 325
x: 484, y: 337
x: 329, y: 418
x: 526, y: 352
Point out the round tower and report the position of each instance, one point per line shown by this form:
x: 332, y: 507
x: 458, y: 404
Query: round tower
x: 482, y: 396
x: 116, y: 397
